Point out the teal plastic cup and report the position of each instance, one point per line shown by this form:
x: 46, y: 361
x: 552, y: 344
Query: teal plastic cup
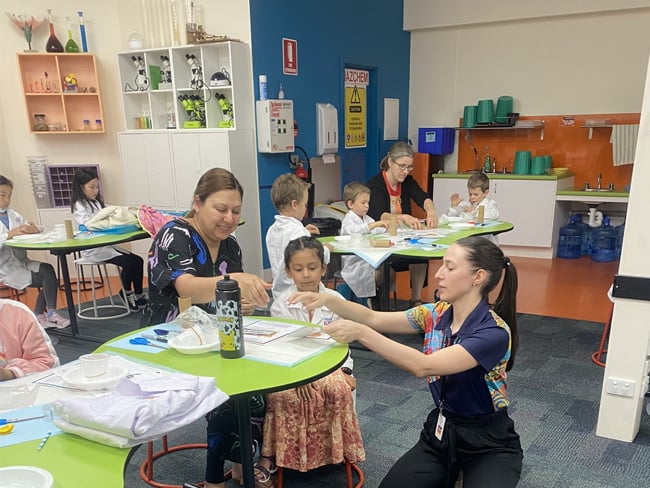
x: 504, y: 107
x: 522, y: 162
x: 548, y: 162
x: 469, y: 116
x: 537, y: 166
x: 485, y: 112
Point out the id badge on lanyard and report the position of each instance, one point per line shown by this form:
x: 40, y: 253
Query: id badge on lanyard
x: 440, y: 424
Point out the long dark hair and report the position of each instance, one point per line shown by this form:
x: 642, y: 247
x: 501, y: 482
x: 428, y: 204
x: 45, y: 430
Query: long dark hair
x: 6, y: 181
x: 212, y: 181
x: 81, y: 177
x: 304, y: 242
x: 486, y: 255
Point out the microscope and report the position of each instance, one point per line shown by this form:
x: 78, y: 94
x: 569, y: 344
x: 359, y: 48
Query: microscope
x: 141, y: 78
x: 196, y: 81
x: 165, y: 70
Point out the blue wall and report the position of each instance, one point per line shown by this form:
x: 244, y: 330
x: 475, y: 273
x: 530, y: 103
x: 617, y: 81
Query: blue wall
x: 331, y: 35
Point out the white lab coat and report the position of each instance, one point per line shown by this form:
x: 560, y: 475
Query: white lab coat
x: 320, y: 316
x: 357, y: 273
x: 15, y: 266
x: 284, y: 229
x: 464, y: 209
x: 83, y: 211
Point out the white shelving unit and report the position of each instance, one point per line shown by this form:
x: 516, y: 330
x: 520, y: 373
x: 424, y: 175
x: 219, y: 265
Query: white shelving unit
x: 151, y: 103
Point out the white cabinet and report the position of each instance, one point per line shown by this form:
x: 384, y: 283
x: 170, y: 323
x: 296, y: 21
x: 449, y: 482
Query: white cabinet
x: 529, y: 204
x: 162, y: 168
x: 187, y: 87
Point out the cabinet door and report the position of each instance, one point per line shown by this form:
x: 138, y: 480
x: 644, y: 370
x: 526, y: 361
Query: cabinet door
x: 193, y: 154
x: 147, y: 170
x: 530, y: 206
x: 443, y: 188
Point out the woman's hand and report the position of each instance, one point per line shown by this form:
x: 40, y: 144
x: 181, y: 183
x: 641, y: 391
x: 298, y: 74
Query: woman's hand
x: 313, y: 230
x: 253, y: 289
x: 432, y: 220
x: 344, y: 331
x: 411, y: 221
x: 247, y: 308
x: 309, y: 299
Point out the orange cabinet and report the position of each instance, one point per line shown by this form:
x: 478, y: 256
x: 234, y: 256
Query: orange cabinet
x: 62, y: 94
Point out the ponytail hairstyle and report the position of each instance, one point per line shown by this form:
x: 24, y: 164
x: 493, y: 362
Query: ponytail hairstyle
x: 80, y: 178
x: 398, y: 150
x: 486, y: 255
x: 302, y: 243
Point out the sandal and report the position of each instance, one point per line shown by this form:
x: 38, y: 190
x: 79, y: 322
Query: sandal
x: 263, y: 476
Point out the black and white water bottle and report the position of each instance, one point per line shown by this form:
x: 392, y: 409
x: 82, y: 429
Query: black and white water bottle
x: 229, y: 318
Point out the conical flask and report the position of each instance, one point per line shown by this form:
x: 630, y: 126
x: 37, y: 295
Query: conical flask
x: 53, y: 44
x: 70, y: 46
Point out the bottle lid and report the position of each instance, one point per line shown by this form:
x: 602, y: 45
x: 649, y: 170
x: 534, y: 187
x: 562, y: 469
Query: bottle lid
x: 227, y: 284
x: 262, y: 77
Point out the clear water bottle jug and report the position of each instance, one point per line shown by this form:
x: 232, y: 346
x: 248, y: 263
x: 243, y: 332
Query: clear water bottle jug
x: 569, y: 244
x: 619, y: 239
x: 586, y: 234
x: 603, y: 243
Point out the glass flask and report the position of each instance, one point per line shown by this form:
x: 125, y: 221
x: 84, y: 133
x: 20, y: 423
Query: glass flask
x: 70, y: 46
x: 53, y: 44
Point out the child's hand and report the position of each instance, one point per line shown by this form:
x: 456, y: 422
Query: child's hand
x: 313, y: 230
x: 455, y: 200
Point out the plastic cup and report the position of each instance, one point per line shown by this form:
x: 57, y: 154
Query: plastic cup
x: 485, y: 114
x: 504, y: 107
x: 93, y: 365
x: 537, y: 166
x: 469, y: 116
x: 522, y: 162
x: 548, y: 162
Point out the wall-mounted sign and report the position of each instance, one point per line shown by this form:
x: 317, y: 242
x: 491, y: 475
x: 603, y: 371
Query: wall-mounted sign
x: 289, y: 56
x: 356, y: 81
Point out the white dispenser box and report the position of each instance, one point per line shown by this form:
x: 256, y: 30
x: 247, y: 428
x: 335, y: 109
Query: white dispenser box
x: 275, y: 126
x: 327, y: 129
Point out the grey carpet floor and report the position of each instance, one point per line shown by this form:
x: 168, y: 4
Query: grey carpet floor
x: 554, y: 388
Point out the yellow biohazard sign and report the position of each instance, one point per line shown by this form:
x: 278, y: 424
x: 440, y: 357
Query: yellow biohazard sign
x: 355, y: 116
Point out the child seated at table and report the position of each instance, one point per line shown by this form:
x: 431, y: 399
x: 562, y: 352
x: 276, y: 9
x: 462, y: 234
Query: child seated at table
x: 289, y: 196
x: 316, y: 424
x: 25, y: 347
x: 18, y: 271
x: 85, y: 201
x: 360, y: 276
x: 478, y: 188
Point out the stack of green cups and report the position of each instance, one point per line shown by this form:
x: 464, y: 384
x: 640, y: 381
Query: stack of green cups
x: 469, y: 116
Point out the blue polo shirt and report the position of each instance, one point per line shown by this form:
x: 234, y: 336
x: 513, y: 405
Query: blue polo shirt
x: 482, y: 389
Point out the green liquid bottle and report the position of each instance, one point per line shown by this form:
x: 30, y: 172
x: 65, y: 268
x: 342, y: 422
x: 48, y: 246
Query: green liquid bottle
x: 70, y: 46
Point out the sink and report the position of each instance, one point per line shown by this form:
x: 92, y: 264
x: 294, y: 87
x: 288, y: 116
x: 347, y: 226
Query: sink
x: 598, y: 189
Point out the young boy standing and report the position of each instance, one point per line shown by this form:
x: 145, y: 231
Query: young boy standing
x: 358, y: 274
x: 478, y: 187
x: 289, y: 196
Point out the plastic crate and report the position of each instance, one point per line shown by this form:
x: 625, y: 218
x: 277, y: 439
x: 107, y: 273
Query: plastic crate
x: 60, y: 182
x: 436, y: 140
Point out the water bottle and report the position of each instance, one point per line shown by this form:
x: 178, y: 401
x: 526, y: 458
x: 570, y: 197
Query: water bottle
x: 603, y: 243
x: 586, y: 234
x: 619, y: 239
x: 229, y: 318
x: 569, y: 244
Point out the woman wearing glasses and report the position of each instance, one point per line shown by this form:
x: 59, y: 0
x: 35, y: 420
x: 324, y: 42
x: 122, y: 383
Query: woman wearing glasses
x: 391, y: 193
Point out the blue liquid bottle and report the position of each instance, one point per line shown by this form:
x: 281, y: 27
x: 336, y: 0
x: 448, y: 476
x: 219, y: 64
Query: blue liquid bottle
x: 603, y: 243
x: 569, y: 245
x: 82, y: 31
x: 586, y: 234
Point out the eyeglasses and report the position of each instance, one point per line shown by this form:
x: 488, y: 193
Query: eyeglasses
x: 404, y: 167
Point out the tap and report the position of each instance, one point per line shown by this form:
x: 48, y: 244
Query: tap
x: 599, y: 179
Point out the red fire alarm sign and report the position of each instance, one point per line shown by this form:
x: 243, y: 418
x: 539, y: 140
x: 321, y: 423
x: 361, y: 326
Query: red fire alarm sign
x: 289, y: 56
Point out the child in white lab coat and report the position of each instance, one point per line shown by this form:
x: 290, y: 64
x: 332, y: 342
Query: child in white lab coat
x: 315, y: 424
x: 478, y: 187
x: 85, y: 201
x: 18, y: 271
x: 289, y: 196
x: 360, y: 276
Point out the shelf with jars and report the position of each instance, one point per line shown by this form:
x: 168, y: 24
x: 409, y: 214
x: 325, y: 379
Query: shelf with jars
x: 62, y: 94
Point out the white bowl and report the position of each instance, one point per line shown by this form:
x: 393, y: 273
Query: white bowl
x: 25, y: 477
x: 191, y: 342
x: 114, y: 373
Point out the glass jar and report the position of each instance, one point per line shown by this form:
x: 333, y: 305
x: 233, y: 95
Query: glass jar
x: 86, y: 125
x: 99, y: 125
x: 40, y: 123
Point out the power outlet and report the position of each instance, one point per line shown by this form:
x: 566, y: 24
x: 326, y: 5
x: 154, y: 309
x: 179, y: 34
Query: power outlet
x: 617, y: 386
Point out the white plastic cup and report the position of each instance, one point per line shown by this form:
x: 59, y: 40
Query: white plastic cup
x: 93, y: 365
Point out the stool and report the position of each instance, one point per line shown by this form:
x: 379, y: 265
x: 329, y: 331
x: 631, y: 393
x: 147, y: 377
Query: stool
x: 121, y: 308
x: 596, y: 357
x: 81, y: 281
x: 349, y: 467
x: 146, y: 468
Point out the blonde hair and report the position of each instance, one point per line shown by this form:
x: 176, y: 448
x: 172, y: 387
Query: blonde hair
x: 287, y: 188
x: 352, y: 190
x: 400, y: 149
x: 478, y: 180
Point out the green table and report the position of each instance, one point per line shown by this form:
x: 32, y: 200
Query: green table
x: 405, y: 252
x: 61, y: 249
x: 79, y: 463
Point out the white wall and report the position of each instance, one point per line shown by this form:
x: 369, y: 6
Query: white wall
x: 108, y: 26
x: 552, y: 65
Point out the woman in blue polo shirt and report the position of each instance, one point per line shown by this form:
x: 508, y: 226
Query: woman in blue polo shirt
x: 468, y: 347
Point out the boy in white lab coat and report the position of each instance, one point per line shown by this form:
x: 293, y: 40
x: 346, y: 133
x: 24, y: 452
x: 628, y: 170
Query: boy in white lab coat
x: 289, y: 196
x: 478, y: 188
x: 360, y: 276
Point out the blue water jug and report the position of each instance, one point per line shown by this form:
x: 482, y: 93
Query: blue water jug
x: 586, y: 234
x: 619, y: 239
x: 603, y: 243
x: 569, y: 245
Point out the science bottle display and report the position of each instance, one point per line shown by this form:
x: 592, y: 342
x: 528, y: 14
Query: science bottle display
x: 70, y: 46
x: 53, y: 45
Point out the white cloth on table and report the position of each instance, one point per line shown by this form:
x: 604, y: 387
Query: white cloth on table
x: 623, y: 141
x: 140, y: 409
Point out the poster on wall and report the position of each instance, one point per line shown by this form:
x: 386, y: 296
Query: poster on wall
x: 356, y: 113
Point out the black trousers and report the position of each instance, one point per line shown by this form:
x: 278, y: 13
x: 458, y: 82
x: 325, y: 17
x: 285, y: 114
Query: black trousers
x: 486, y: 449
x: 131, y: 272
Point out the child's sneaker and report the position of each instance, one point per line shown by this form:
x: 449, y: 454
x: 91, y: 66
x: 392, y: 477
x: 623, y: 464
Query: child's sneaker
x: 129, y: 300
x: 56, y: 321
x: 141, y: 302
x: 42, y: 319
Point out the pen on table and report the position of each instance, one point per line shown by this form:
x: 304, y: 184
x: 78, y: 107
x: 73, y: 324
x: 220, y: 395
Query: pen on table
x: 44, y: 440
x: 13, y: 421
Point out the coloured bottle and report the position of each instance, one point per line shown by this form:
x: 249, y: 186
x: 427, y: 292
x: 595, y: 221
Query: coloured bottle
x: 569, y: 244
x: 262, y: 83
x: 70, y: 46
x: 229, y: 318
x: 53, y: 44
x: 82, y: 31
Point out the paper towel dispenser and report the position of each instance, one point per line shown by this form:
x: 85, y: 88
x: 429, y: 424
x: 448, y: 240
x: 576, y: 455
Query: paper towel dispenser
x: 327, y: 129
